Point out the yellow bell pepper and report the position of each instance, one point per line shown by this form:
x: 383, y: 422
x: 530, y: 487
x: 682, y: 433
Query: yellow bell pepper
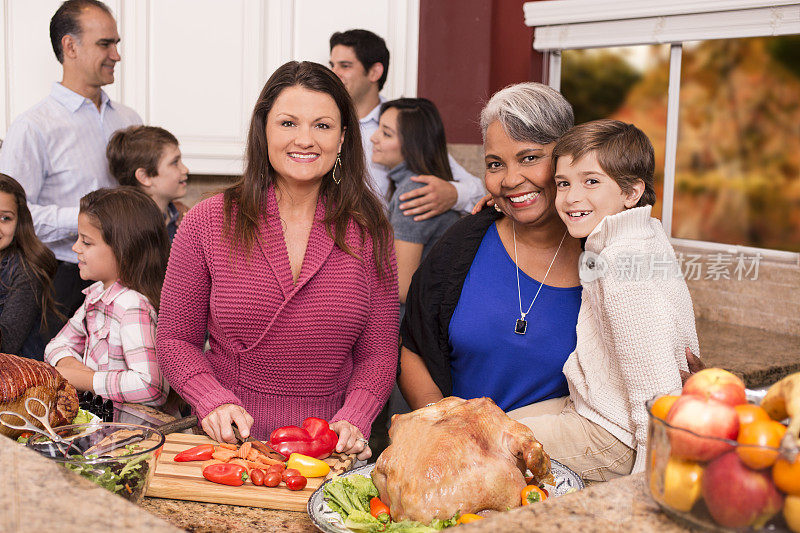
x: 468, y: 518
x: 308, y: 466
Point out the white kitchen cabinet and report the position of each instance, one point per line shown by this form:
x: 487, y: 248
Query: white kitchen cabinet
x: 195, y: 67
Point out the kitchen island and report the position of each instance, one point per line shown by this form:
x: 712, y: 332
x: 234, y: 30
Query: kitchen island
x: 619, y: 505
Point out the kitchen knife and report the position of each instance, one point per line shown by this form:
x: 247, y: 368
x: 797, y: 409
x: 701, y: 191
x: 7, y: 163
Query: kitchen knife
x: 257, y: 445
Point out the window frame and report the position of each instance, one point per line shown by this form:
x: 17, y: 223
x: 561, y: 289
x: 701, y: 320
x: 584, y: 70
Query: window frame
x: 585, y: 24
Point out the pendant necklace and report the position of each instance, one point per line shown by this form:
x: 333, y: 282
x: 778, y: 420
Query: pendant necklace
x: 522, y: 325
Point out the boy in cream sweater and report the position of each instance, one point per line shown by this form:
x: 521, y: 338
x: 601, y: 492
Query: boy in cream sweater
x: 636, y: 318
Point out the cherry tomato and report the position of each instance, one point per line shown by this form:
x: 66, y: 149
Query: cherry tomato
x: 272, y: 479
x: 296, y: 482
x: 749, y: 413
x: 786, y: 475
x: 257, y: 477
x: 279, y: 467
x: 289, y: 472
x: 760, y: 433
x: 532, y: 494
x: 225, y: 473
x: 662, y: 406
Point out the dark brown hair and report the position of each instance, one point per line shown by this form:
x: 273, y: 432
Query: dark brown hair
x: 351, y: 200
x: 623, y: 151
x: 368, y: 47
x: 422, y: 140
x: 65, y: 22
x: 36, y: 259
x: 137, y: 147
x: 133, y: 226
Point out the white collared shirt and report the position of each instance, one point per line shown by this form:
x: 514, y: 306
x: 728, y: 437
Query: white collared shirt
x: 470, y: 188
x: 57, y: 151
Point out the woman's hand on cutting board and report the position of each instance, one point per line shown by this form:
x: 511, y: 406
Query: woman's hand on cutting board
x: 351, y: 440
x: 218, y: 422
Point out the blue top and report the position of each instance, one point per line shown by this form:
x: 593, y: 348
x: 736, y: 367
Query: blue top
x: 424, y: 232
x: 488, y: 358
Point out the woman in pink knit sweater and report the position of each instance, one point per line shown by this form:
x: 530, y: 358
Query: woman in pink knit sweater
x: 292, y: 273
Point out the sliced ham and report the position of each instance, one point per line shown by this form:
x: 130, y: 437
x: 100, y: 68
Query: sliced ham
x: 22, y: 378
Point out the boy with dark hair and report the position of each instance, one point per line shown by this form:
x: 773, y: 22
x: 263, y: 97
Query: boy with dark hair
x: 148, y: 157
x: 636, y: 318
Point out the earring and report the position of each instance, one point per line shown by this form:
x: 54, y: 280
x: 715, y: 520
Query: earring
x: 339, y: 164
x: 497, y: 209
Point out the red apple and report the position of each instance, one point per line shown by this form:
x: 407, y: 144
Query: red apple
x: 737, y: 496
x: 705, y: 417
x: 718, y: 384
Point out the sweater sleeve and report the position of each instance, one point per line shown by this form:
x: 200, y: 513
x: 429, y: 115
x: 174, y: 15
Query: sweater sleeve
x: 19, y: 313
x: 375, y: 351
x: 183, y: 318
x: 642, y: 331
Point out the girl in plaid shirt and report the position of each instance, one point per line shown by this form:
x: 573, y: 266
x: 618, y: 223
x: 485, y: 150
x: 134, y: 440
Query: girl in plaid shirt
x: 108, y: 346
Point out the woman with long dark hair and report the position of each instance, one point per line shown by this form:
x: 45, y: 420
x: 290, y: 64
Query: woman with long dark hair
x: 291, y: 272
x: 410, y: 141
x: 27, y: 268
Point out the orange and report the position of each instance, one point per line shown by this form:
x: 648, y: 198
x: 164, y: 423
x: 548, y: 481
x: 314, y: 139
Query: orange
x: 760, y: 433
x: 662, y: 406
x: 786, y: 475
x: 749, y: 413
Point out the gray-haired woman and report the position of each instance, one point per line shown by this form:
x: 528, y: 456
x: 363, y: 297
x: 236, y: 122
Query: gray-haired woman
x: 493, y: 308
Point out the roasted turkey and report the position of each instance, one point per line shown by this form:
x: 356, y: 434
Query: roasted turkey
x: 22, y: 378
x: 456, y: 456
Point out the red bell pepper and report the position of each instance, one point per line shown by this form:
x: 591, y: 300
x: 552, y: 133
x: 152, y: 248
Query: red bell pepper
x: 198, y: 453
x: 315, y: 439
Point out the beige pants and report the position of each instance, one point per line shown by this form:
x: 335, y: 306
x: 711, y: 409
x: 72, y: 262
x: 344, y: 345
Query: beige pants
x: 580, y: 444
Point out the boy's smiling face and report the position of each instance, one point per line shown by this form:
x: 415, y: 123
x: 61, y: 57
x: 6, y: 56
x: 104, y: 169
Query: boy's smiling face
x: 585, y: 194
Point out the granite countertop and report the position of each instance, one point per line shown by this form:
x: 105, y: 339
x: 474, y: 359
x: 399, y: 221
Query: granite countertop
x: 622, y: 504
x: 39, y: 495
x: 759, y: 357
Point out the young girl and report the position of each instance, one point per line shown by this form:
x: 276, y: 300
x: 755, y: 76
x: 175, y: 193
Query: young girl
x: 26, y: 276
x: 108, y: 346
x: 410, y: 141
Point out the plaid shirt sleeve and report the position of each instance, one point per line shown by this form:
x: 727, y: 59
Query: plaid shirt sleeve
x: 70, y: 341
x: 143, y: 381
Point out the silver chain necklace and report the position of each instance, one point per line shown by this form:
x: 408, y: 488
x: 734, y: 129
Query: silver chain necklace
x: 522, y: 325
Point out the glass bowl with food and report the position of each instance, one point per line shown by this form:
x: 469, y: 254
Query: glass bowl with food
x: 719, y: 467
x: 119, y: 457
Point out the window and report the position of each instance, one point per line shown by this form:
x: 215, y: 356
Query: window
x: 737, y: 176
x: 731, y: 130
x: 624, y: 83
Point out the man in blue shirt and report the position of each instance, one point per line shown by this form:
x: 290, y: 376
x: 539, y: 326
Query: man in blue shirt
x: 361, y: 60
x: 57, y: 149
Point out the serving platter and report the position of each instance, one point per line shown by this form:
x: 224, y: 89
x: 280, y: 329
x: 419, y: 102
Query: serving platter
x: 329, y: 521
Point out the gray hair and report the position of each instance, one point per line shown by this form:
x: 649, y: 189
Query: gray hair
x: 530, y: 112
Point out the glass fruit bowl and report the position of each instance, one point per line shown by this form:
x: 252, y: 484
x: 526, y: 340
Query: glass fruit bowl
x: 119, y: 457
x: 714, y: 483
